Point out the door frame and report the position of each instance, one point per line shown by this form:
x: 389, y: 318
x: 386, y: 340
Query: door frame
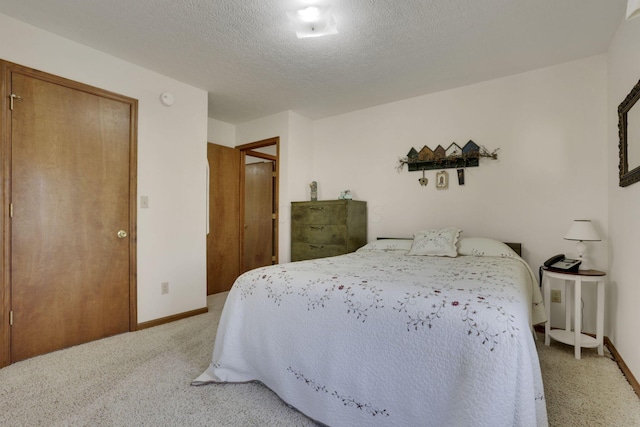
x: 249, y: 150
x: 6, y: 70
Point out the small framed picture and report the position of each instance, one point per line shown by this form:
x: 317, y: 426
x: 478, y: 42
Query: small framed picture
x: 442, y: 180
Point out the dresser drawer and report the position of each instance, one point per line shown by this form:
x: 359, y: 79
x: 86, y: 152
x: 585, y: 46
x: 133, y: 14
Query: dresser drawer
x: 318, y: 233
x: 303, y: 251
x: 319, y: 213
x: 327, y: 228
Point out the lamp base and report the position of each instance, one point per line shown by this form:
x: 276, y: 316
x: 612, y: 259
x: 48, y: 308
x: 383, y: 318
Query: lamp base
x: 581, y: 249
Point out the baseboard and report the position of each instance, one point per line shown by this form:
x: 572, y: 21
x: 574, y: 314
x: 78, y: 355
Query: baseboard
x: 616, y: 357
x: 623, y: 366
x: 172, y: 318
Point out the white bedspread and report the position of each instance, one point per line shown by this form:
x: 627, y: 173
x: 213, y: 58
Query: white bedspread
x: 380, y: 338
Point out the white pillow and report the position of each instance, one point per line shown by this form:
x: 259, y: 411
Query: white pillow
x: 436, y: 242
x: 482, y: 246
x: 387, y: 245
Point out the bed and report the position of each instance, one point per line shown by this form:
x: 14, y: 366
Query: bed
x: 391, y: 334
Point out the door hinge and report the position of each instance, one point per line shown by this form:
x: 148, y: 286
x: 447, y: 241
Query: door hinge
x: 14, y: 97
x: 273, y: 216
x: 11, y: 318
x: 10, y: 210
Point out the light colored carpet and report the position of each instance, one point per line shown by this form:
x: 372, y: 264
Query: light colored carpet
x: 591, y: 391
x: 142, y: 379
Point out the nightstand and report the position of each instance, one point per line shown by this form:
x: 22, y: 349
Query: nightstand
x: 573, y: 285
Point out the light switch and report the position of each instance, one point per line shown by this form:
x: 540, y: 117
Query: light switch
x: 144, y: 202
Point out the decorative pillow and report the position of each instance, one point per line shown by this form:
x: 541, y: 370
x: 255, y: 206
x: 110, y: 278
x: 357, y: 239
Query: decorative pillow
x: 387, y: 245
x: 436, y: 242
x: 482, y: 246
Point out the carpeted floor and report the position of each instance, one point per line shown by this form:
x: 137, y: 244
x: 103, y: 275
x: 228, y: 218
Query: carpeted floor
x: 142, y: 379
x: 591, y: 391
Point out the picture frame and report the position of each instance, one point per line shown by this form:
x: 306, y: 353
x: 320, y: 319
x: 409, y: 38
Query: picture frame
x: 442, y: 180
x: 629, y: 138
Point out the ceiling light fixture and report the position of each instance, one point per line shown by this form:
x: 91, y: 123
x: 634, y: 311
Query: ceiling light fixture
x: 633, y: 9
x: 309, y: 14
x: 313, y: 21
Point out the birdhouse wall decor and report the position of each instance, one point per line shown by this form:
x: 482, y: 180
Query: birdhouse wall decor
x: 453, y: 157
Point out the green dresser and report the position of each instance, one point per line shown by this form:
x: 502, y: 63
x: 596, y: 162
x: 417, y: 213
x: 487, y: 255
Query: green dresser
x: 327, y: 228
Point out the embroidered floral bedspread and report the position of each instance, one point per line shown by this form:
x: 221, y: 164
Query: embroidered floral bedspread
x: 382, y: 338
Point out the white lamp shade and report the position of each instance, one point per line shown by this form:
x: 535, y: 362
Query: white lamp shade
x: 633, y: 9
x: 583, y: 230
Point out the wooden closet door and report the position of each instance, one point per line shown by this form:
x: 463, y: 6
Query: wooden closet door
x: 258, y: 247
x: 223, y: 240
x: 70, y: 270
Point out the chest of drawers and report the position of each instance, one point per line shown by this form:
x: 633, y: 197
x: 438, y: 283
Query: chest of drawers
x: 327, y: 228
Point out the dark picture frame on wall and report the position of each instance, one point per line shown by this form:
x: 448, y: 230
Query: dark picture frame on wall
x: 629, y: 132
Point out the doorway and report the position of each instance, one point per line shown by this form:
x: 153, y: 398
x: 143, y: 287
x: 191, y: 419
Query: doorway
x: 243, y: 210
x: 69, y: 173
x: 259, y: 203
x: 258, y: 243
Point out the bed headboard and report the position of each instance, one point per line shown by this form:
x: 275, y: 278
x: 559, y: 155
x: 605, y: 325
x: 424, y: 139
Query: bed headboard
x: 517, y: 247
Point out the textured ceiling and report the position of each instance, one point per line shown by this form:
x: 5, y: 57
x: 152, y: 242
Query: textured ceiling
x: 245, y: 53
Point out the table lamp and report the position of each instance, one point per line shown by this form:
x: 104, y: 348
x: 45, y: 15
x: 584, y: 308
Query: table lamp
x: 583, y: 231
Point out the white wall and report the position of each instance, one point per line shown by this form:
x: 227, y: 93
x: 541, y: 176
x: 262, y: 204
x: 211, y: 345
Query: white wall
x: 300, y: 168
x: 623, y: 288
x: 221, y: 133
x: 550, y: 126
x: 171, y: 162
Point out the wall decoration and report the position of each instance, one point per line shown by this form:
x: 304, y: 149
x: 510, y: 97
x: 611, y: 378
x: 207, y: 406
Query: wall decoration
x: 453, y: 157
x: 629, y: 138
x: 460, y: 176
x: 442, y: 180
x: 423, y: 181
x: 314, y: 191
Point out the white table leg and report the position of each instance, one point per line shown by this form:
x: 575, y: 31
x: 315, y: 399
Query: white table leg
x: 568, y: 292
x: 577, y: 299
x: 600, y: 318
x: 547, y: 308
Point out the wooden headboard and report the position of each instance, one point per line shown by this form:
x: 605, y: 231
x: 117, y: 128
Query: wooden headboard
x: 517, y: 247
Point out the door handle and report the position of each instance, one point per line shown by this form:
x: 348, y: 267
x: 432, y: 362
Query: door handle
x: 122, y: 234
x: 14, y: 97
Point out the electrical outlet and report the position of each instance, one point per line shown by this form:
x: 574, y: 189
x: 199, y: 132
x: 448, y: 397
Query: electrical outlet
x: 164, y: 288
x: 556, y: 295
x: 144, y: 202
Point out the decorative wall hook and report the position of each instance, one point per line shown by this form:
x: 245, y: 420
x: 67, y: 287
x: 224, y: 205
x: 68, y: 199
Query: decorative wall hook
x: 423, y: 181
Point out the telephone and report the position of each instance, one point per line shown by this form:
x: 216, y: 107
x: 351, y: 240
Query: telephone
x: 559, y: 262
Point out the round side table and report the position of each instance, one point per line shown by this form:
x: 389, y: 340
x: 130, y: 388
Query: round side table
x: 574, y: 337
